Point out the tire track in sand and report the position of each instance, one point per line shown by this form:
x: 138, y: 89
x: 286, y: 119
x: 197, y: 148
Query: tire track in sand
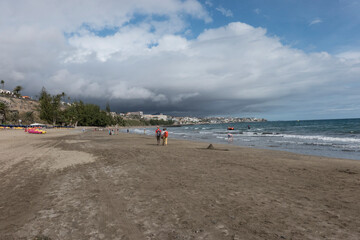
x: 112, y: 215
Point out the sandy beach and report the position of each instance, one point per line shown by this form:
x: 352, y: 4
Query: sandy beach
x: 71, y: 185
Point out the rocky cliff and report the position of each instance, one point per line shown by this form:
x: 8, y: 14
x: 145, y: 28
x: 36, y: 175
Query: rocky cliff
x: 26, y: 110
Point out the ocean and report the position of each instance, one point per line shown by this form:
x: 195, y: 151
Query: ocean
x: 339, y: 138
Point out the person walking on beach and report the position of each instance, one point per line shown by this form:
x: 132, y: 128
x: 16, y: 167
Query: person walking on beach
x: 165, y: 137
x: 158, y: 135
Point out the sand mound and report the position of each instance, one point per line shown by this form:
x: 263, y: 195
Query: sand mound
x: 211, y: 147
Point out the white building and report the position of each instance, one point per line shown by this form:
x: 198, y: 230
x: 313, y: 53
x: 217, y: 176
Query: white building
x: 188, y: 120
x: 113, y: 114
x: 3, y: 91
x: 139, y: 113
x: 155, y: 117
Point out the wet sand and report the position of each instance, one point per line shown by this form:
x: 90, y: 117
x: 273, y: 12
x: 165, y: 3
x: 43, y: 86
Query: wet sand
x: 72, y: 185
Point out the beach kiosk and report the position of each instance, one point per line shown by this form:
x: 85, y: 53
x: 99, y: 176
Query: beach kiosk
x: 37, y: 125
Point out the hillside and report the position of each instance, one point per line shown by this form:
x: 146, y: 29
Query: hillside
x: 25, y: 110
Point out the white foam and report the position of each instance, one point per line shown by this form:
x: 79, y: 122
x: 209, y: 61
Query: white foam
x: 250, y: 134
x: 288, y: 142
x: 323, y: 138
x: 204, y: 132
x: 138, y: 130
x: 178, y: 133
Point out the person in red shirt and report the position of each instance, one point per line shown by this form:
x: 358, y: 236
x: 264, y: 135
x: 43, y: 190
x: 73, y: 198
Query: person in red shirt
x: 158, y: 135
x: 165, y: 136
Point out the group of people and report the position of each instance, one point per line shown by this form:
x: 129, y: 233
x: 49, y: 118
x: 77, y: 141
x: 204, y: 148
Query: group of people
x: 113, y: 131
x: 164, y: 134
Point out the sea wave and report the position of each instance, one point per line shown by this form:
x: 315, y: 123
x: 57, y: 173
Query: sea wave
x: 205, y: 132
x: 323, y: 138
x: 285, y: 138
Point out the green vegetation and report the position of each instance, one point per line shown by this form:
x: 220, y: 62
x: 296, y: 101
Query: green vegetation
x: 78, y: 113
x: 3, y: 107
x: 27, y: 117
x: 17, y: 90
x: 135, y: 122
x: 49, y: 107
x: 13, y: 116
x: 86, y: 115
x: 3, y: 112
x: 82, y: 114
x: 52, y: 111
x: 107, y: 108
x: 8, y: 115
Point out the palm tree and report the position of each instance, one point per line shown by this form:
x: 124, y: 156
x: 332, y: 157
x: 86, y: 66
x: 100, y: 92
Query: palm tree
x: 63, y: 94
x: 2, y: 83
x: 107, y: 108
x: 17, y: 90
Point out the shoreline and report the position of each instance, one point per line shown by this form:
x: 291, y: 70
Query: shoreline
x: 225, y: 143
x: 197, y: 141
x: 125, y: 185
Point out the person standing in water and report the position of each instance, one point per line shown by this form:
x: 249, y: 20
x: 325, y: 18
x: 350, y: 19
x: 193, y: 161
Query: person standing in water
x: 230, y: 137
x: 158, y: 135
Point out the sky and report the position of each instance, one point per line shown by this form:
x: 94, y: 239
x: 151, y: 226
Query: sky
x: 279, y: 59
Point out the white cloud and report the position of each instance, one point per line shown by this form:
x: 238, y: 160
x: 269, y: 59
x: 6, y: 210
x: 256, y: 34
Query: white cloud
x: 75, y: 84
x: 209, y: 3
x: 315, y: 21
x: 69, y: 15
x: 17, y: 76
x: 225, y: 12
x: 181, y: 97
x: 129, y: 41
x: 149, y: 65
x: 257, y: 10
x: 123, y: 91
x: 171, y: 43
x: 352, y: 56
